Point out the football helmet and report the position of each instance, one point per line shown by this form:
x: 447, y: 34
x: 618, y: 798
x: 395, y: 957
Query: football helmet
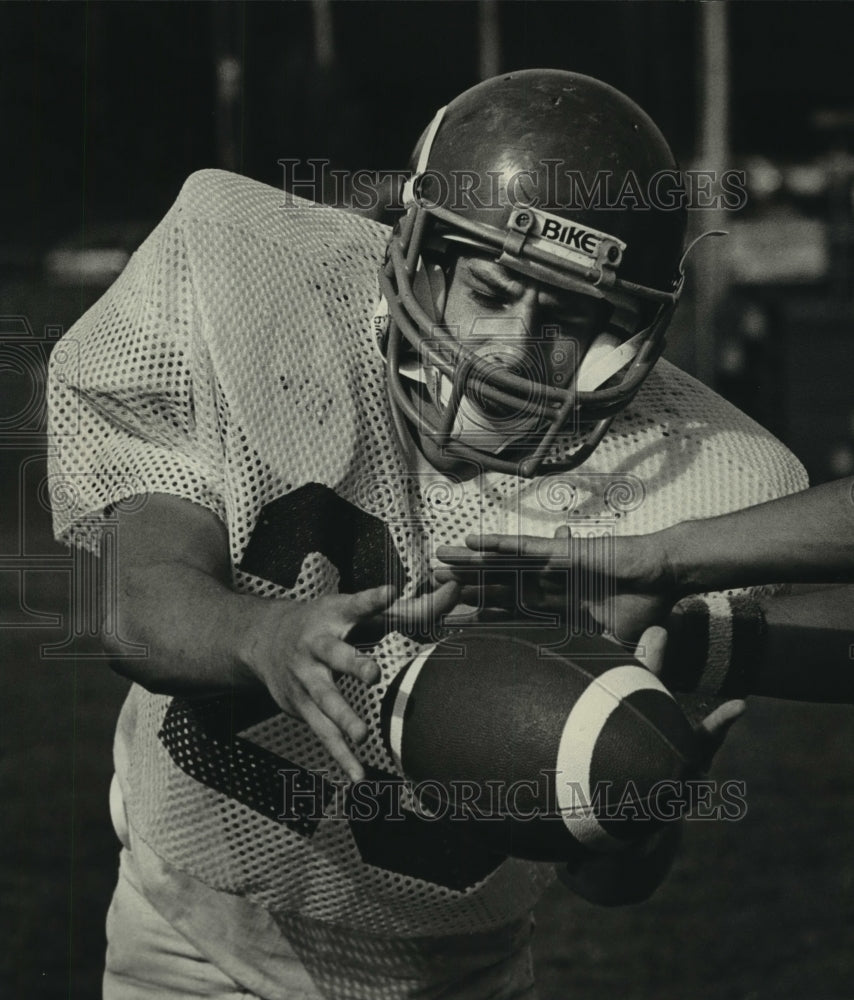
x: 564, y: 180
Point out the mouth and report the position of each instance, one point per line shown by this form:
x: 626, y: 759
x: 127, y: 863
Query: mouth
x: 484, y: 417
x: 496, y: 412
x: 515, y: 411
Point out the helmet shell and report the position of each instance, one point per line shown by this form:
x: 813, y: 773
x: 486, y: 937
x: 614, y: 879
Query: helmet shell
x: 568, y: 144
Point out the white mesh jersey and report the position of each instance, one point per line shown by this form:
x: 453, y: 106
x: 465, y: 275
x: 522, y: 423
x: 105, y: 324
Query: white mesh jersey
x: 234, y: 364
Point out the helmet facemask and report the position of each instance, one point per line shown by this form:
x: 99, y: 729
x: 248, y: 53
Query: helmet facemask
x: 491, y: 404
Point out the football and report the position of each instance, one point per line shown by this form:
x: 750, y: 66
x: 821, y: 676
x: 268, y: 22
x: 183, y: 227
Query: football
x: 541, y: 750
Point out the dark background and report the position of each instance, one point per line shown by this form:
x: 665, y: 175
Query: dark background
x: 107, y: 107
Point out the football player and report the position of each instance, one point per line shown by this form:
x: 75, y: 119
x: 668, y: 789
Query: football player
x: 795, y: 644
x: 284, y: 447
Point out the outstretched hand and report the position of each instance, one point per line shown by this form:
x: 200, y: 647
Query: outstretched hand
x: 713, y: 729
x: 632, y: 875
x: 624, y: 584
x: 421, y: 616
x: 301, y: 646
x: 297, y: 653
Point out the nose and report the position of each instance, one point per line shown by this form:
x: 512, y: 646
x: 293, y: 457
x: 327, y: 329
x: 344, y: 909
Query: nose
x: 506, y: 342
x: 515, y: 324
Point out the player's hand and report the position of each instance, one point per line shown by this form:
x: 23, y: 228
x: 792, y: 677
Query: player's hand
x: 624, y: 584
x: 298, y: 649
x: 633, y: 874
x: 416, y: 617
x: 713, y: 729
x: 422, y: 616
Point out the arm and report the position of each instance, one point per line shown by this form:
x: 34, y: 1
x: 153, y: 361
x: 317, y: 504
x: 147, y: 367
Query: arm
x: 175, y: 596
x: 135, y: 411
x: 791, y: 646
x: 803, y: 648
x: 807, y: 537
x: 799, y: 647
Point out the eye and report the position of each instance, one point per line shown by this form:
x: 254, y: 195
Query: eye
x: 569, y: 323
x: 583, y: 320
x: 489, y: 299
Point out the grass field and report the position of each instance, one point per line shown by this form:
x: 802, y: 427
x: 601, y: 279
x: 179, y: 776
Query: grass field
x: 760, y: 909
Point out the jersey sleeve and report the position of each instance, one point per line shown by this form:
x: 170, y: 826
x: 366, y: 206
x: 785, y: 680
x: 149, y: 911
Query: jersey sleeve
x: 132, y: 395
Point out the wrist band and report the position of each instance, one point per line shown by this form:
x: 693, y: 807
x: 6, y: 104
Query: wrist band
x: 721, y: 642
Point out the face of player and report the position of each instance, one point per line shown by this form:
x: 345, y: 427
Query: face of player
x: 547, y: 330
x: 529, y: 328
x: 488, y: 303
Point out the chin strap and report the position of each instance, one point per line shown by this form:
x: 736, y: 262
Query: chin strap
x: 606, y: 356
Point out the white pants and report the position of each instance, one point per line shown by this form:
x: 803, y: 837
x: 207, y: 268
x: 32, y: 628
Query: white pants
x: 147, y: 959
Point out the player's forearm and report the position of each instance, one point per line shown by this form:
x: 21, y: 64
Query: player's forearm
x: 198, y: 632
x: 804, y: 538
x: 795, y: 646
x: 807, y: 652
